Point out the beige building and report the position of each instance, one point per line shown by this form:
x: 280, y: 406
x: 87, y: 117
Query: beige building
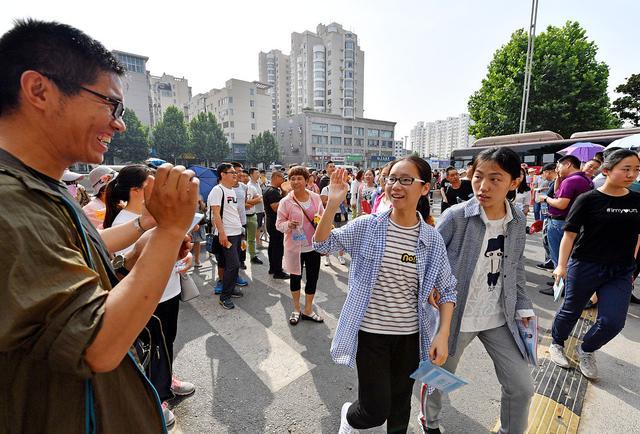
x: 274, y: 70
x: 313, y: 138
x: 243, y: 108
x: 166, y: 91
x: 440, y: 138
x: 327, y: 72
x: 136, y: 83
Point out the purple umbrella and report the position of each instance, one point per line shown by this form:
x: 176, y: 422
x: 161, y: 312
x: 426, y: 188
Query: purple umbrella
x: 585, y: 151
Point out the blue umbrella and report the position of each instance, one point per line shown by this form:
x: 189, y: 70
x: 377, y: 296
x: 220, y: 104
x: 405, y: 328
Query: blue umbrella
x: 155, y: 162
x: 585, y: 151
x: 208, y: 179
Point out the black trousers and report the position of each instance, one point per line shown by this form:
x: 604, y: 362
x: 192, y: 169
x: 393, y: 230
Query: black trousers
x: 167, y: 312
x: 310, y: 261
x: 276, y: 249
x: 384, y: 364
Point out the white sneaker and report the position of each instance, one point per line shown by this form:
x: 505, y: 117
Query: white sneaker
x: 341, y: 260
x: 556, y: 352
x: 587, y: 364
x: 169, y: 418
x: 345, y: 428
x: 327, y: 261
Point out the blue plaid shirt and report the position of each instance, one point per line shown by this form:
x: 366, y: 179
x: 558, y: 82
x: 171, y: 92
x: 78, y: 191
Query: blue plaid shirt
x: 364, y: 239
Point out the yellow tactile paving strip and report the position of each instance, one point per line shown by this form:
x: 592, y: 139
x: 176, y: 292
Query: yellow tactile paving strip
x: 559, y: 393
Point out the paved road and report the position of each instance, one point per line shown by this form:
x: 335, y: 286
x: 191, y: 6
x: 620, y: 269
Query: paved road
x: 255, y: 373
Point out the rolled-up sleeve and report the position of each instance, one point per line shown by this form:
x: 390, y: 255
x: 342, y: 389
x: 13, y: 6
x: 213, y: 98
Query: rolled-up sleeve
x: 342, y: 239
x: 52, y: 302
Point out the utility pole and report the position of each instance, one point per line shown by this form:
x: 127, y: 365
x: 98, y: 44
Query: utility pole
x: 528, y: 65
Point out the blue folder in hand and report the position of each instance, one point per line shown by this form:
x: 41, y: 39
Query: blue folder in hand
x: 529, y: 336
x: 437, y: 377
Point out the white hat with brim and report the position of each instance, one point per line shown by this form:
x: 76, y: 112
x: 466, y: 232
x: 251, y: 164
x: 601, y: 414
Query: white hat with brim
x: 101, y: 176
x: 69, y: 176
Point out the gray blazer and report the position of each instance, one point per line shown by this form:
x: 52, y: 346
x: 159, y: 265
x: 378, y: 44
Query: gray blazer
x: 463, y: 231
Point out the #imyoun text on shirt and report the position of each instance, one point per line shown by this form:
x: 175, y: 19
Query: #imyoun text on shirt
x: 393, y: 307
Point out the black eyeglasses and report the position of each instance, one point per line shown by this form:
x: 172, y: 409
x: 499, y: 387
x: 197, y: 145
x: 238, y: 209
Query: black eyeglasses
x: 118, y: 105
x: 231, y: 172
x: 404, y: 180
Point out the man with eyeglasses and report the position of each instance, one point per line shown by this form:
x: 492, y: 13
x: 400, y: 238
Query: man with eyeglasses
x: 68, y: 317
x: 223, y: 203
x: 457, y: 191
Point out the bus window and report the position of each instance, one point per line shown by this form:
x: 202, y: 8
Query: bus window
x: 530, y: 159
x: 548, y: 158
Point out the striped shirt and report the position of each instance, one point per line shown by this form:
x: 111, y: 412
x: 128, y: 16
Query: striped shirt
x: 393, y: 307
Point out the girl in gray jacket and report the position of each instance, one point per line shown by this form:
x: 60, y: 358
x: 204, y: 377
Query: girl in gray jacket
x: 485, y: 239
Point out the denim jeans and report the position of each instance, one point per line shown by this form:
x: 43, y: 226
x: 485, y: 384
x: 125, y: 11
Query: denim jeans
x: 555, y: 232
x: 231, y: 266
x: 612, y: 284
x: 536, y: 211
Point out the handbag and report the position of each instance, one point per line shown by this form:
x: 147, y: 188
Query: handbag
x: 188, y: 288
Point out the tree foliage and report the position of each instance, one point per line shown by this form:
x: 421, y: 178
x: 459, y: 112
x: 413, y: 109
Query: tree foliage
x: 627, y: 107
x: 208, y: 142
x: 171, y: 136
x: 263, y: 149
x: 568, y: 91
x: 132, y: 146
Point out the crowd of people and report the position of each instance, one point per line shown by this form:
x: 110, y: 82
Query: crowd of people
x: 92, y: 285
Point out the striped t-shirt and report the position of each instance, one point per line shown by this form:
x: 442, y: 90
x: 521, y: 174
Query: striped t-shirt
x: 393, y: 307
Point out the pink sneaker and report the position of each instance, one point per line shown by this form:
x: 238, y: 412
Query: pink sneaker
x: 182, y: 388
x: 169, y: 418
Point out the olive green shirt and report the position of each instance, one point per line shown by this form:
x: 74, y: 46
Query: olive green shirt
x: 52, y: 304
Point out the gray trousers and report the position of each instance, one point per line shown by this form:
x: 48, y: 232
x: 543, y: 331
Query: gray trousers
x: 512, y: 371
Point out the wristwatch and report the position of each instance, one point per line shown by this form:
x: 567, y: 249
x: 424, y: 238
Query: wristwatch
x: 118, y: 265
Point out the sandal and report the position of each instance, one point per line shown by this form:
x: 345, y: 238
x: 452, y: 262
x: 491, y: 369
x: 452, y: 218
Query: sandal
x: 313, y: 317
x: 294, y: 318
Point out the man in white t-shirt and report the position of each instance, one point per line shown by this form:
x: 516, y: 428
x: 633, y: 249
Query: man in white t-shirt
x: 254, y: 182
x: 222, y: 203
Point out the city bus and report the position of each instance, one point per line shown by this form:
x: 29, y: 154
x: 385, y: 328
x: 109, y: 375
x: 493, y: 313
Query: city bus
x: 538, y: 148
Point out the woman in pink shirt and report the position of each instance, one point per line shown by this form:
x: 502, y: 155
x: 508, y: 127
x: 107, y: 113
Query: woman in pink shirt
x: 311, y: 184
x: 298, y: 214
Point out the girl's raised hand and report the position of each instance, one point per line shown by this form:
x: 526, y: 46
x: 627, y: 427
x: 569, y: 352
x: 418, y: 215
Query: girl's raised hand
x: 338, y: 187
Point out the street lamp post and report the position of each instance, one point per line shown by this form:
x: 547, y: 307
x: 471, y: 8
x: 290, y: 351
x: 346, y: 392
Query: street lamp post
x: 528, y: 65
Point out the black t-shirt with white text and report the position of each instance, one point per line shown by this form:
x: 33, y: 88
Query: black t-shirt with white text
x: 458, y: 195
x: 270, y: 196
x: 608, y: 227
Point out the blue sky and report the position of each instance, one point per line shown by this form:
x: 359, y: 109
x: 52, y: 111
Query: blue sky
x: 422, y: 58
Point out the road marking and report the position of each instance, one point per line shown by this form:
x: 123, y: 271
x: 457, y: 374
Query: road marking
x: 273, y: 361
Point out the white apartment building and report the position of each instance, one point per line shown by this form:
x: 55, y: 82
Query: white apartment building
x: 327, y: 72
x: 166, y: 91
x: 399, y: 149
x: 440, y: 138
x: 243, y: 108
x: 274, y: 70
x: 136, y: 83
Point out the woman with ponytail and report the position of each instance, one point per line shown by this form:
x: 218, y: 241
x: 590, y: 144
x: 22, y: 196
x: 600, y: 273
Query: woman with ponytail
x: 387, y: 325
x: 125, y: 202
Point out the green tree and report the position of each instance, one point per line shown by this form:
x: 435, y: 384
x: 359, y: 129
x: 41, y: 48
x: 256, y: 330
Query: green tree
x: 208, y: 142
x: 132, y: 146
x: 627, y: 107
x: 263, y: 149
x: 171, y: 136
x: 568, y: 90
